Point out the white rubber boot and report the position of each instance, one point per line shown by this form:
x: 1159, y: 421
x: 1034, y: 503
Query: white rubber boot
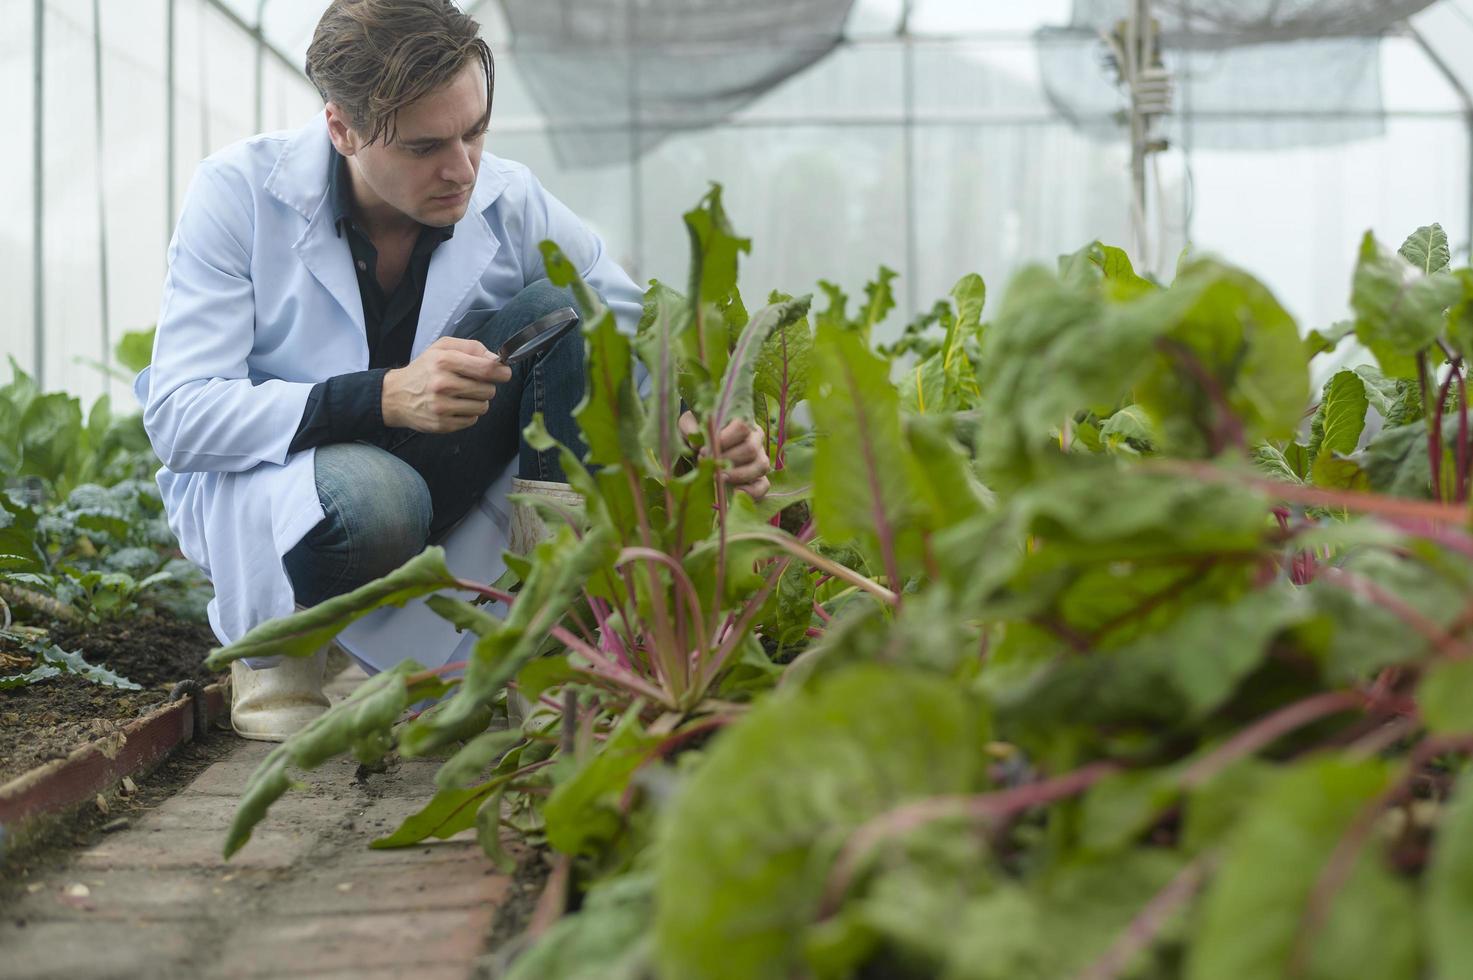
x: 527, y: 530
x: 273, y: 703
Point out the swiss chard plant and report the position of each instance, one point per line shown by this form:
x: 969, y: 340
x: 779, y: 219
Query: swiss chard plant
x: 1080, y: 640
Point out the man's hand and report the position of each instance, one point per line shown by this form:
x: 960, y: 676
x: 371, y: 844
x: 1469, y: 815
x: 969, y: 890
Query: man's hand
x: 445, y: 389
x: 745, y: 448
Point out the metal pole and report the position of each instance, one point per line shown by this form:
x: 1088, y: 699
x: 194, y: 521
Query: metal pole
x: 636, y: 144
x: 169, y: 120
x: 908, y: 84
x: 100, y: 157
x: 260, y: 65
x: 38, y: 191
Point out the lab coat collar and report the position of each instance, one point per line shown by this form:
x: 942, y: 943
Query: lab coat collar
x: 300, y: 181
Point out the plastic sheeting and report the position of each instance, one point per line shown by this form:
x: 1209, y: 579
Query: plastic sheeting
x: 937, y: 154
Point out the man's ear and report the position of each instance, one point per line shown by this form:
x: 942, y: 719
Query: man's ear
x: 340, y: 131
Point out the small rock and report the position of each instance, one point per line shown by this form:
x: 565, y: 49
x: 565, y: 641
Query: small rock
x: 102, y: 803
x: 77, y: 890
x: 129, y: 787
x: 113, y: 826
x: 35, y: 887
x: 346, y: 886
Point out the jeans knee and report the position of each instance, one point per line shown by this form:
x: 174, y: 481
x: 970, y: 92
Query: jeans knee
x: 380, y: 504
x: 542, y: 297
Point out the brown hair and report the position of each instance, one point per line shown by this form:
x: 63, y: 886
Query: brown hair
x: 374, y: 57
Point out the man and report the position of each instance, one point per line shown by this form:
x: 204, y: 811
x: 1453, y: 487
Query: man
x: 323, y: 393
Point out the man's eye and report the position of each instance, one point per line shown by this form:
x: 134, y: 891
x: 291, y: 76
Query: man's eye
x: 422, y: 151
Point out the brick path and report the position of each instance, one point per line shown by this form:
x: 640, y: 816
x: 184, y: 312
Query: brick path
x: 305, y: 898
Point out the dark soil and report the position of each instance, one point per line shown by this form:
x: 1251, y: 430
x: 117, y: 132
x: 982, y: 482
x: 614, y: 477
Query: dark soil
x: 49, y: 719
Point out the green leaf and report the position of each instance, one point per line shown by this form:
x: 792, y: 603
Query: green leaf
x: 924, y: 389
x: 1341, y: 416
x: 734, y: 400
x: 608, y: 938
x: 866, y: 486
x: 1399, y: 310
x: 1316, y: 342
x: 51, y: 435
x: 1228, y: 348
x: 666, y: 317
x: 1129, y: 430
x: 582, y: 814
x: 1257, y: 905
x: 1427, y: 250
x: 359, y: 724
x: 466, y: 768
x: 445, y: 815
x: 1396, y: 460
x: 879, y: 301
x: 783, y: 366
x: 715, y: 250
x: 1446, y: 697
x: 560, y: 566
x: 1397, y: 400
x: 1051, y: 352
x: 488, y: 832
x: 304, y: 633
x: 1449, y: 888
x: 134, y: 349
x: 73, y: 663
x: 32, y: 676
x: 744, y: 850
x: 611, y: 415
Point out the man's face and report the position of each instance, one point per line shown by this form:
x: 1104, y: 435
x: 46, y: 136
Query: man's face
x: 428, y: 171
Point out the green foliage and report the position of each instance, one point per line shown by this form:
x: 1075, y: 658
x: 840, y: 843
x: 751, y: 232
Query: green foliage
x: 1225, y: 710
x: 744, y: 853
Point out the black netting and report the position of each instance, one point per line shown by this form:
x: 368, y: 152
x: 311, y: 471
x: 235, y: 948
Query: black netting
x: 614, y: 77
x: 1221, y: 23
x: 1251, y: 74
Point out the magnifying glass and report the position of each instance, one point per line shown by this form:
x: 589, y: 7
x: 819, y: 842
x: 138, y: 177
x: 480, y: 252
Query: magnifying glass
x: 538, y: 336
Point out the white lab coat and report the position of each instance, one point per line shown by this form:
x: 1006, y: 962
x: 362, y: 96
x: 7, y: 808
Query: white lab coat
x: 261, y: 302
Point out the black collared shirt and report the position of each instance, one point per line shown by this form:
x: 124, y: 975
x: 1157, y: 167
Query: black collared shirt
x: 350, y: 406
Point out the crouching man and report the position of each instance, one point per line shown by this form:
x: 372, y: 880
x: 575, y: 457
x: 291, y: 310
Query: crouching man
x: 323, y: 392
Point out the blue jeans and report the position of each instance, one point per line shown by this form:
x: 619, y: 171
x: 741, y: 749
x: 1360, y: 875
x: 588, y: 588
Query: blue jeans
x: 384, y: 502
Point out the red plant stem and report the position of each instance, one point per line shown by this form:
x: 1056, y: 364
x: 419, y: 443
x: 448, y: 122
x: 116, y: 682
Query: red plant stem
x: 1392, y: 508
x: 486, y: 590
x: 608, y: 669
x: 1268, y: 730
x: 1149, y: 922
x: 1365, y: 588
x: 750, y: 610
x: 1342, y: 860
x: 782, y: 408
x: 1434, y: 424
x: 822, y: 613
x: 427, y: 675
x: 674, y: 676
x: 983, y: 807
x: 683, y: 584
x: 612, y: 641
x: 1228, y: 429
x: 813, y: 633
x: 1465, y: 451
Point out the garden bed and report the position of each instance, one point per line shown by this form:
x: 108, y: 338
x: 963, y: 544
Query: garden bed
x: 48, y: 720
